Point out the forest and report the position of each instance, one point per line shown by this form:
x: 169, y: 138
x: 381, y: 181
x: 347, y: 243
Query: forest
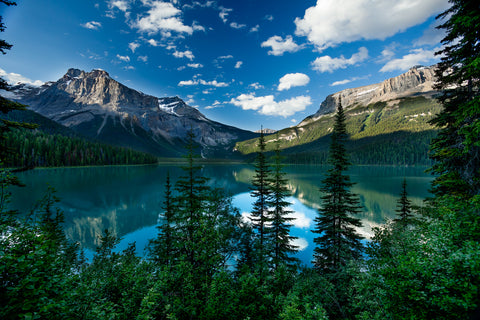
x: 208, y: 263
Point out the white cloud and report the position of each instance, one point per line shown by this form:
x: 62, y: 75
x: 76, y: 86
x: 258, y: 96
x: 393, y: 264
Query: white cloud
x: 269, y: 17
x: 300, y: 219
x: 195, y: 65
x: 280, y: 46
x: 416, y: 56
x: 225, y: 57
x: 236, y: 25
x: 331, y: 22
x: 153, y: 42
x: 342, y: 82
x: 196, y: 82
x: 256, y: 86
x: 329, y: 64
x: 185, y: 54
x: 255, y: 29
x: 268, y: 106
x: 122, y: 5
x: 162, y: 17
x: 293, y: 80
x: 143, y: 58
x: 216, y: 104
x: 123, y: 58
x: 14, y: 78
x: 301, y: 243
x: 224, y: 12
x: 92, y: 25
x: 238, y: 65
x: 133, y: 46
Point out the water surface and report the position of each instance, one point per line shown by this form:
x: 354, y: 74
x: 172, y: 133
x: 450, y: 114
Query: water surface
x: 128, y: 199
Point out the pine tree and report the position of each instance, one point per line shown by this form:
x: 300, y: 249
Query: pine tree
x: 404, y: 206
x: 338, y: 242
x: 262, y: 192
x: 456, y: 150
x: 161, y: 250
x: 280, y: 238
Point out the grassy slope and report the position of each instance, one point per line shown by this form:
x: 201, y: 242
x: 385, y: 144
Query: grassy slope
x: 397, y: 131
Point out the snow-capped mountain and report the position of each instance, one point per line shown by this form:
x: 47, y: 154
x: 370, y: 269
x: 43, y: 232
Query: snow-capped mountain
x: 95, y: 105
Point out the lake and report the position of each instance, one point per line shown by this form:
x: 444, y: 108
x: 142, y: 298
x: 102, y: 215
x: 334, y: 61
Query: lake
x: 128, y: 199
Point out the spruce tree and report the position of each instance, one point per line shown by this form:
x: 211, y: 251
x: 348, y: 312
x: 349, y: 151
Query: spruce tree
x: 337, y: 242
x: 161, y: 249
x: 456, y: 150
x: 280, y: 238
x: 262, y: 193
x: 404, y: 206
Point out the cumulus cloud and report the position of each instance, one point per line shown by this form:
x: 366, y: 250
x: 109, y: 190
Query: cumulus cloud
x: 255, y: 29
x: 256, y: 86
x: 331, y: 22
x: 238, y: 65
x: 416, y: 56
x: 14, y: 78
x: 123, y: 58
x: 92, y: 25
x: 133, y: 46
x: 216, y: 104
x: 143, y: 58
x: 164, y: 17
x: 184, y: 54
x: 268, y: 106
x: 224, y: 12
x: 300, y: 243
x: 329, y: 64
x: 280, y: 46
x: 122, y: 5
x: 196, y: 82
x: 153, y: 42
x: 293, y: 80
x: 236, y: 25
x: 195, y: 65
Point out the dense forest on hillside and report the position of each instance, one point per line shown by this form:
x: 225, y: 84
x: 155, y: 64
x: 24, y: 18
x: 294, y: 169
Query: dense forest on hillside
x: 383, y: 133
x: 53, y: 145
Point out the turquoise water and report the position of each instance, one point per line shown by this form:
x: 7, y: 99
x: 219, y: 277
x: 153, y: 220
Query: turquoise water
x: 128, y: 199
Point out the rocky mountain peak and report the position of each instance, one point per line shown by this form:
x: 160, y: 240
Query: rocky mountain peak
x: 419, y: 80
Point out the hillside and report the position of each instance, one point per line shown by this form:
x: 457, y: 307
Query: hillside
x: 387, y: 123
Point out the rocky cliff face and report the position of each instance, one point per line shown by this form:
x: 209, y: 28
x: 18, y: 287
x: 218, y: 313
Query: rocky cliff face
x: 95, y: 105
x: 416, y: 81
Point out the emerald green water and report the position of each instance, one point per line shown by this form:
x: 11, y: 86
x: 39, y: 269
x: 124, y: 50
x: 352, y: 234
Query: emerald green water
x: 128, y: 199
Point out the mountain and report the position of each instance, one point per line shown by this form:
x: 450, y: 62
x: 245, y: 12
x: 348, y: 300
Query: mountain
x: 97, y: 106
x: 387, y: 123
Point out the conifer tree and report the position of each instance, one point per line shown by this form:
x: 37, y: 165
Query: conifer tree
x: 280, y: 238
x: 337, y: 242
x: 262, y: 193
x: 161, y: 249
x: 456, y: 150
x: 404, y: 206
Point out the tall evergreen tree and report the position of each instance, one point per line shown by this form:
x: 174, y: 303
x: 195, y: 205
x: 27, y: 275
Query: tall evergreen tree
x: 456, y: 150
x: 280, y: 238
x: 262, y: 193
x: 404, y: 206
x: 337, y: 242
x: 161, y: 249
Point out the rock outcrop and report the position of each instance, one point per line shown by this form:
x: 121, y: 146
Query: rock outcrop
x: 418, y: 80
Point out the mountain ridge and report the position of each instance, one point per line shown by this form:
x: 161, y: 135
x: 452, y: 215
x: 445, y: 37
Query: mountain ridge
x: 97, y: 106
x: 383, y: 116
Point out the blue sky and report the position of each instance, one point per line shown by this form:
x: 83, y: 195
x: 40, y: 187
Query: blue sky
x: 245, y: 63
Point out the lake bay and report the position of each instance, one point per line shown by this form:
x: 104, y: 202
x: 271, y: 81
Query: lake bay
x: 128, y: 199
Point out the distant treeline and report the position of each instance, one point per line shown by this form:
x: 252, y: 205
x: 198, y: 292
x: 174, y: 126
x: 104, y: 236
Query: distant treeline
x: 35, y: 148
